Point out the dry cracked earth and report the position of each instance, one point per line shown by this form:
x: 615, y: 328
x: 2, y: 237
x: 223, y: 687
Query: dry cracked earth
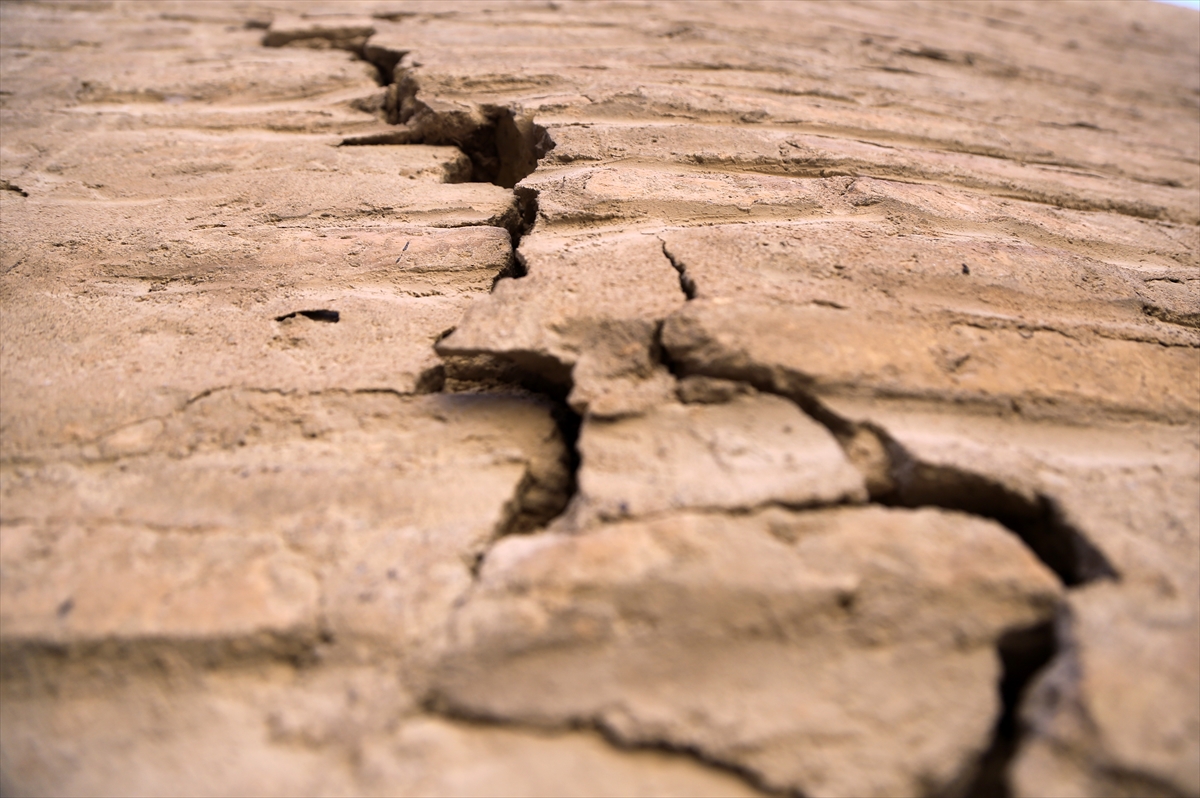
x: 549, y: 399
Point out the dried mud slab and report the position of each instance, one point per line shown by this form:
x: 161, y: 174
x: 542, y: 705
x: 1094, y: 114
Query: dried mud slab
x: 262, y: 515
x: 735, y: 455
x: 837, y: 652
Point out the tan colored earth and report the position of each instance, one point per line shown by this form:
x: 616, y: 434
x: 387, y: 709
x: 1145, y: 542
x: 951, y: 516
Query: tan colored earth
x: 563, y: 399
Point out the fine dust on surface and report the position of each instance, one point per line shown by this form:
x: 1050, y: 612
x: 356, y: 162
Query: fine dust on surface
x: 508, y: 398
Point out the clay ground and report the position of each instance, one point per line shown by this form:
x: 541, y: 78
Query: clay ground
x: 549, y: 398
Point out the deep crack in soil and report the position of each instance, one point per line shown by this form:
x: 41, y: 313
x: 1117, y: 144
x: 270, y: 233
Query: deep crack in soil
x: 504, y: 147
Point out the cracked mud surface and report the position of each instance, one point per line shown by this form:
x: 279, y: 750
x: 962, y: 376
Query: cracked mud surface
x: 554, y: 399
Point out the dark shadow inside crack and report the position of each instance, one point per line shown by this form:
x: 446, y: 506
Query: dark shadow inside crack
x: 535, y: 505
x: 527, y: 210
x: 539, y: 505
x: 325, y: 315
x: 384, y: 59
x: 528, y: 371
x: 895, y: 477
x: 504, y: 146
x: 686, y: 283
x: 1023, y: 654
x: 1037, y: 520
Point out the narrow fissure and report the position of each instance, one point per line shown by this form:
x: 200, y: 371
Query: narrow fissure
x: 686, y: 283
x: 745, y: 774
x: 518, y: 226
x: 896, y: 478
x: 325, y: 315
x: 435, y: 704
x: 1023, y: 654
x: 352, y: 38
x: 1037, y: 520
x: 540, y: 498
x: 504, y: 147
x: 385, y: 61
x: 537, y: 502
x: 527, y: 212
